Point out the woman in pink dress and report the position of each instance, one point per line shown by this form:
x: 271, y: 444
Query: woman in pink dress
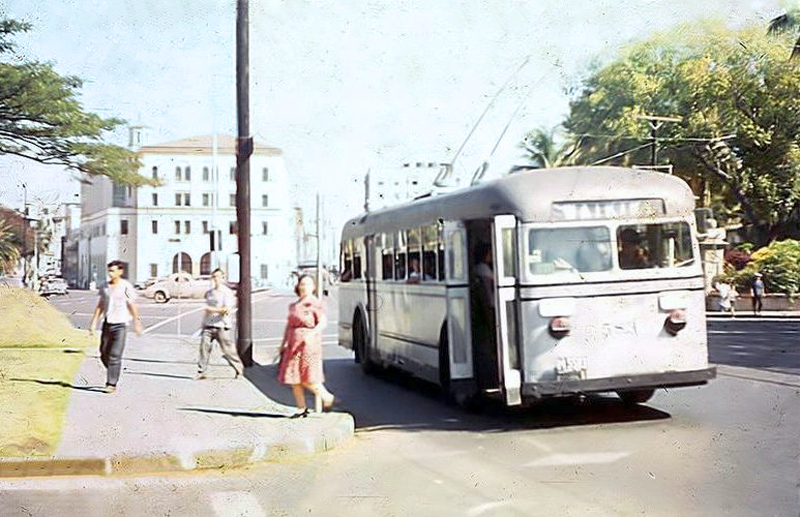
x: 301, y: 349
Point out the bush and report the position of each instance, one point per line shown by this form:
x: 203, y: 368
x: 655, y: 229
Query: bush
x: 737, y: 258
x: 779, y: 263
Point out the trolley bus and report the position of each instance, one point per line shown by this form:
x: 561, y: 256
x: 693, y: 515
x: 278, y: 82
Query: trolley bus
x: 548, y: 282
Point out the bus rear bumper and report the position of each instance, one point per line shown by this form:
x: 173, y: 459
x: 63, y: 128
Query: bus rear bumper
x: 621, y: 383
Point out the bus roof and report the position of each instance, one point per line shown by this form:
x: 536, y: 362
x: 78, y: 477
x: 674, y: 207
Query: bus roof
x: 530, y: 195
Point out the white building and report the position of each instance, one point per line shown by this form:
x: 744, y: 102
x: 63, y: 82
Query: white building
x: 165, y: 229
x: 394, y: 185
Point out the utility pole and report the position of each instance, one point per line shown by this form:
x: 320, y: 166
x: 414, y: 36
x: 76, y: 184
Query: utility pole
x: 655, y: 123
x: 366, y: 191
x: 25, y: 234
x: 244, y: 148
x: 320, y: 290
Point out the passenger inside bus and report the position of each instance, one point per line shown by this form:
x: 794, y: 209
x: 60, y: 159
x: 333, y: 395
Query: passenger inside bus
x: 631, y: 253
x: 484, y: 270
x: 483, y: 316
x: 413, y: 271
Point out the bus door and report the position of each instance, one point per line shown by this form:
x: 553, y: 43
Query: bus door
x: 459, y: 330
x: 504, y: 247
x: 370, y: 249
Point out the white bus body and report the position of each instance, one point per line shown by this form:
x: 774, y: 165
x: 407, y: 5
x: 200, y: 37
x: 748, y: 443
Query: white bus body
x: 596, y: 285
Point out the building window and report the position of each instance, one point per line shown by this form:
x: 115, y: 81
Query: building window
x: 177, y: 173
x: 187, y: 227
x: 187, y: 200
x: 155, y: 173
x: 177, y: 227
x: 187, y: 173
x: 205, y: 226
x: 264, y: 200
x: 155, y: 199
x: 264, y: 271
x: 232, y: 229
x: 265, y: 174
x: 154, y: 226
x: 123, y: 227
x: 206, y: 174
x: 205, y: 200
x: 233, y: 200
x: 264, y: 227
x: 233, y: 174
x: 178, y: 199
x: 205, y: 264
x: 153, y: 270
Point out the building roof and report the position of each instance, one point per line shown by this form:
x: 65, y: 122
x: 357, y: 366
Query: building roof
x: 530, y: 196
x: 226, y: 144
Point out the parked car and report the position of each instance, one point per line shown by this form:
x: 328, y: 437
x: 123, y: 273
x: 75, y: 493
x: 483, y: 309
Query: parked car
x: 53, y: 285
x: 178, y: 285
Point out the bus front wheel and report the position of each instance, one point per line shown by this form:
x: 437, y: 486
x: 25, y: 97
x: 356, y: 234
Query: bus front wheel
x: 361, y: 345
x: 632, y: 397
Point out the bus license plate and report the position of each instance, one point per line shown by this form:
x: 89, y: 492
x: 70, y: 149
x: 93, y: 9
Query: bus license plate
x: 572, y: 365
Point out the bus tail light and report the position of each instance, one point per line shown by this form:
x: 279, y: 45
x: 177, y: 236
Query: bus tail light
x: 559, y: 327
x: 675, y: 321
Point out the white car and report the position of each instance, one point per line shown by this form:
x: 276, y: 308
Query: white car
x: 178, y: 285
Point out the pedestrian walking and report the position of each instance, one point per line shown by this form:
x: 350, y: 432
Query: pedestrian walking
x: 118, y: 304
x: 301, y: 349
x: 727, y: 297
x: 220, y: 302
x: 757, y: 290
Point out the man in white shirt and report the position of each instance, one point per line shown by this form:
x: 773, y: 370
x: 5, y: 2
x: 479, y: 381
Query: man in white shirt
x: 117, y: 302
x: 220, y: 302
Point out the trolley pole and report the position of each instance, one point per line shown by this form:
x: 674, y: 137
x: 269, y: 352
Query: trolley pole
x: 244, y: 148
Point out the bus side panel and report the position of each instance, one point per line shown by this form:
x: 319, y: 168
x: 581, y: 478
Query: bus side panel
x: 614, y: 336
x: 350, y: 295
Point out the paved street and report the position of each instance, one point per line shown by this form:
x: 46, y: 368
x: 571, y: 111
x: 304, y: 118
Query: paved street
x: 729, y: 448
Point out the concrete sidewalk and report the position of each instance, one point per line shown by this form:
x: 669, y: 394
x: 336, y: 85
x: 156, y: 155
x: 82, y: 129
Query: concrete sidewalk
x: 160, y: 419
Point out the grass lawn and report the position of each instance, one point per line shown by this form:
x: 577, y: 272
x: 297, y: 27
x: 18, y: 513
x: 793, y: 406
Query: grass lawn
x: 40, y: 352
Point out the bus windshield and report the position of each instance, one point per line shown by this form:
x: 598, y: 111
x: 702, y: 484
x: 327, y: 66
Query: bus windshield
x: 644, y: 246
x: 568, y: 250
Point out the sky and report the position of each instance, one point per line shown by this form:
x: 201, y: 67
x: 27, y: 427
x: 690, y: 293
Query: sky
x: 341, y: 86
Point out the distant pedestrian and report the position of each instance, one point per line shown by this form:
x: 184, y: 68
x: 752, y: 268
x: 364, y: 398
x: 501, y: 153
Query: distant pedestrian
x: 220, y: 302
x: 301, y: 349
x: 757, y: 290
x: 727, y: 297
x: 118, y: 303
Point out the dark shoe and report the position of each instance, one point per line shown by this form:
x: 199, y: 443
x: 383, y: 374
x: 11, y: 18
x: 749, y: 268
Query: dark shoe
x: 301, y: 413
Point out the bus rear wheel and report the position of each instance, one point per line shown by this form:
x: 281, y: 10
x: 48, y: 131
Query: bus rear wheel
x: 361, y: 345
x: 632, y: 397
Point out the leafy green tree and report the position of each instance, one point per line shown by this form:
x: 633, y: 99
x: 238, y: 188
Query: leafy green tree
x: 738, y: 101
x: 546, y: 148
x: 42, y: 119
x: 788, y: 22
x: 9, y: 247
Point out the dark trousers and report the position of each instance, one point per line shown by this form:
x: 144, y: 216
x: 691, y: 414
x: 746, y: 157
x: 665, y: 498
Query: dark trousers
x: 757, y: 304
x: 112, y: 344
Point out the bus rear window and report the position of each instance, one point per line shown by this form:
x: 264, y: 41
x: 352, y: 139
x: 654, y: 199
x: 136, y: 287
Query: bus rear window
x: 643, y: 246
x: 570, y: 250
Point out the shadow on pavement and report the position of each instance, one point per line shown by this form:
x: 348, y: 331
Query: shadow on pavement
x: 157, y: 361
x: 249, y: 414
x: 61, y: 384
x: 392, y: 400
x: 765, y: 344
x: 167, y: 375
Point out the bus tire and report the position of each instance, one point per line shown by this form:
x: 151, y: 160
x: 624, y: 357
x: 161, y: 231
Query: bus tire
x: 360, y: 345
x: 160, y: 297
x: 633, y: 397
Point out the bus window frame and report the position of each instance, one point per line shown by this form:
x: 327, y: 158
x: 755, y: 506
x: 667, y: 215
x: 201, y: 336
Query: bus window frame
x: 400, y: 255
x: 387, y: 251
x: 615, y: 273
x: 346, y: 256
x: 357, y: 256
x: 428, y: 231
x: 413, y: 250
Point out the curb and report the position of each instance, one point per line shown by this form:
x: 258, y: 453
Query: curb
x: 333, y: 435
x: 749, y: 317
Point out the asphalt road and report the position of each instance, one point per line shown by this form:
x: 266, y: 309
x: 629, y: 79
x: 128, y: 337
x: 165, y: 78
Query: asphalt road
x: 728, y: 448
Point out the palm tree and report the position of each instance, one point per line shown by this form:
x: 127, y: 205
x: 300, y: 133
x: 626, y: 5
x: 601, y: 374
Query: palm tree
x: 788, y: 22
x: 9, y: 250
x: 543, y: 150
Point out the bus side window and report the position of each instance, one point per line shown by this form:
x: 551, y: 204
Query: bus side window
x: 429, y: 249
x: 400, y: 256
x: 347, y: 261
x: 414, y: 248
x: 440, y: 253
x: 387, y: 257
x: 356, y: 260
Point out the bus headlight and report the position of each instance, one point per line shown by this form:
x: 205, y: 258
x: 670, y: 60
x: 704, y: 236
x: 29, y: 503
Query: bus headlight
x: 675, y: 321
x: 559, y: 327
